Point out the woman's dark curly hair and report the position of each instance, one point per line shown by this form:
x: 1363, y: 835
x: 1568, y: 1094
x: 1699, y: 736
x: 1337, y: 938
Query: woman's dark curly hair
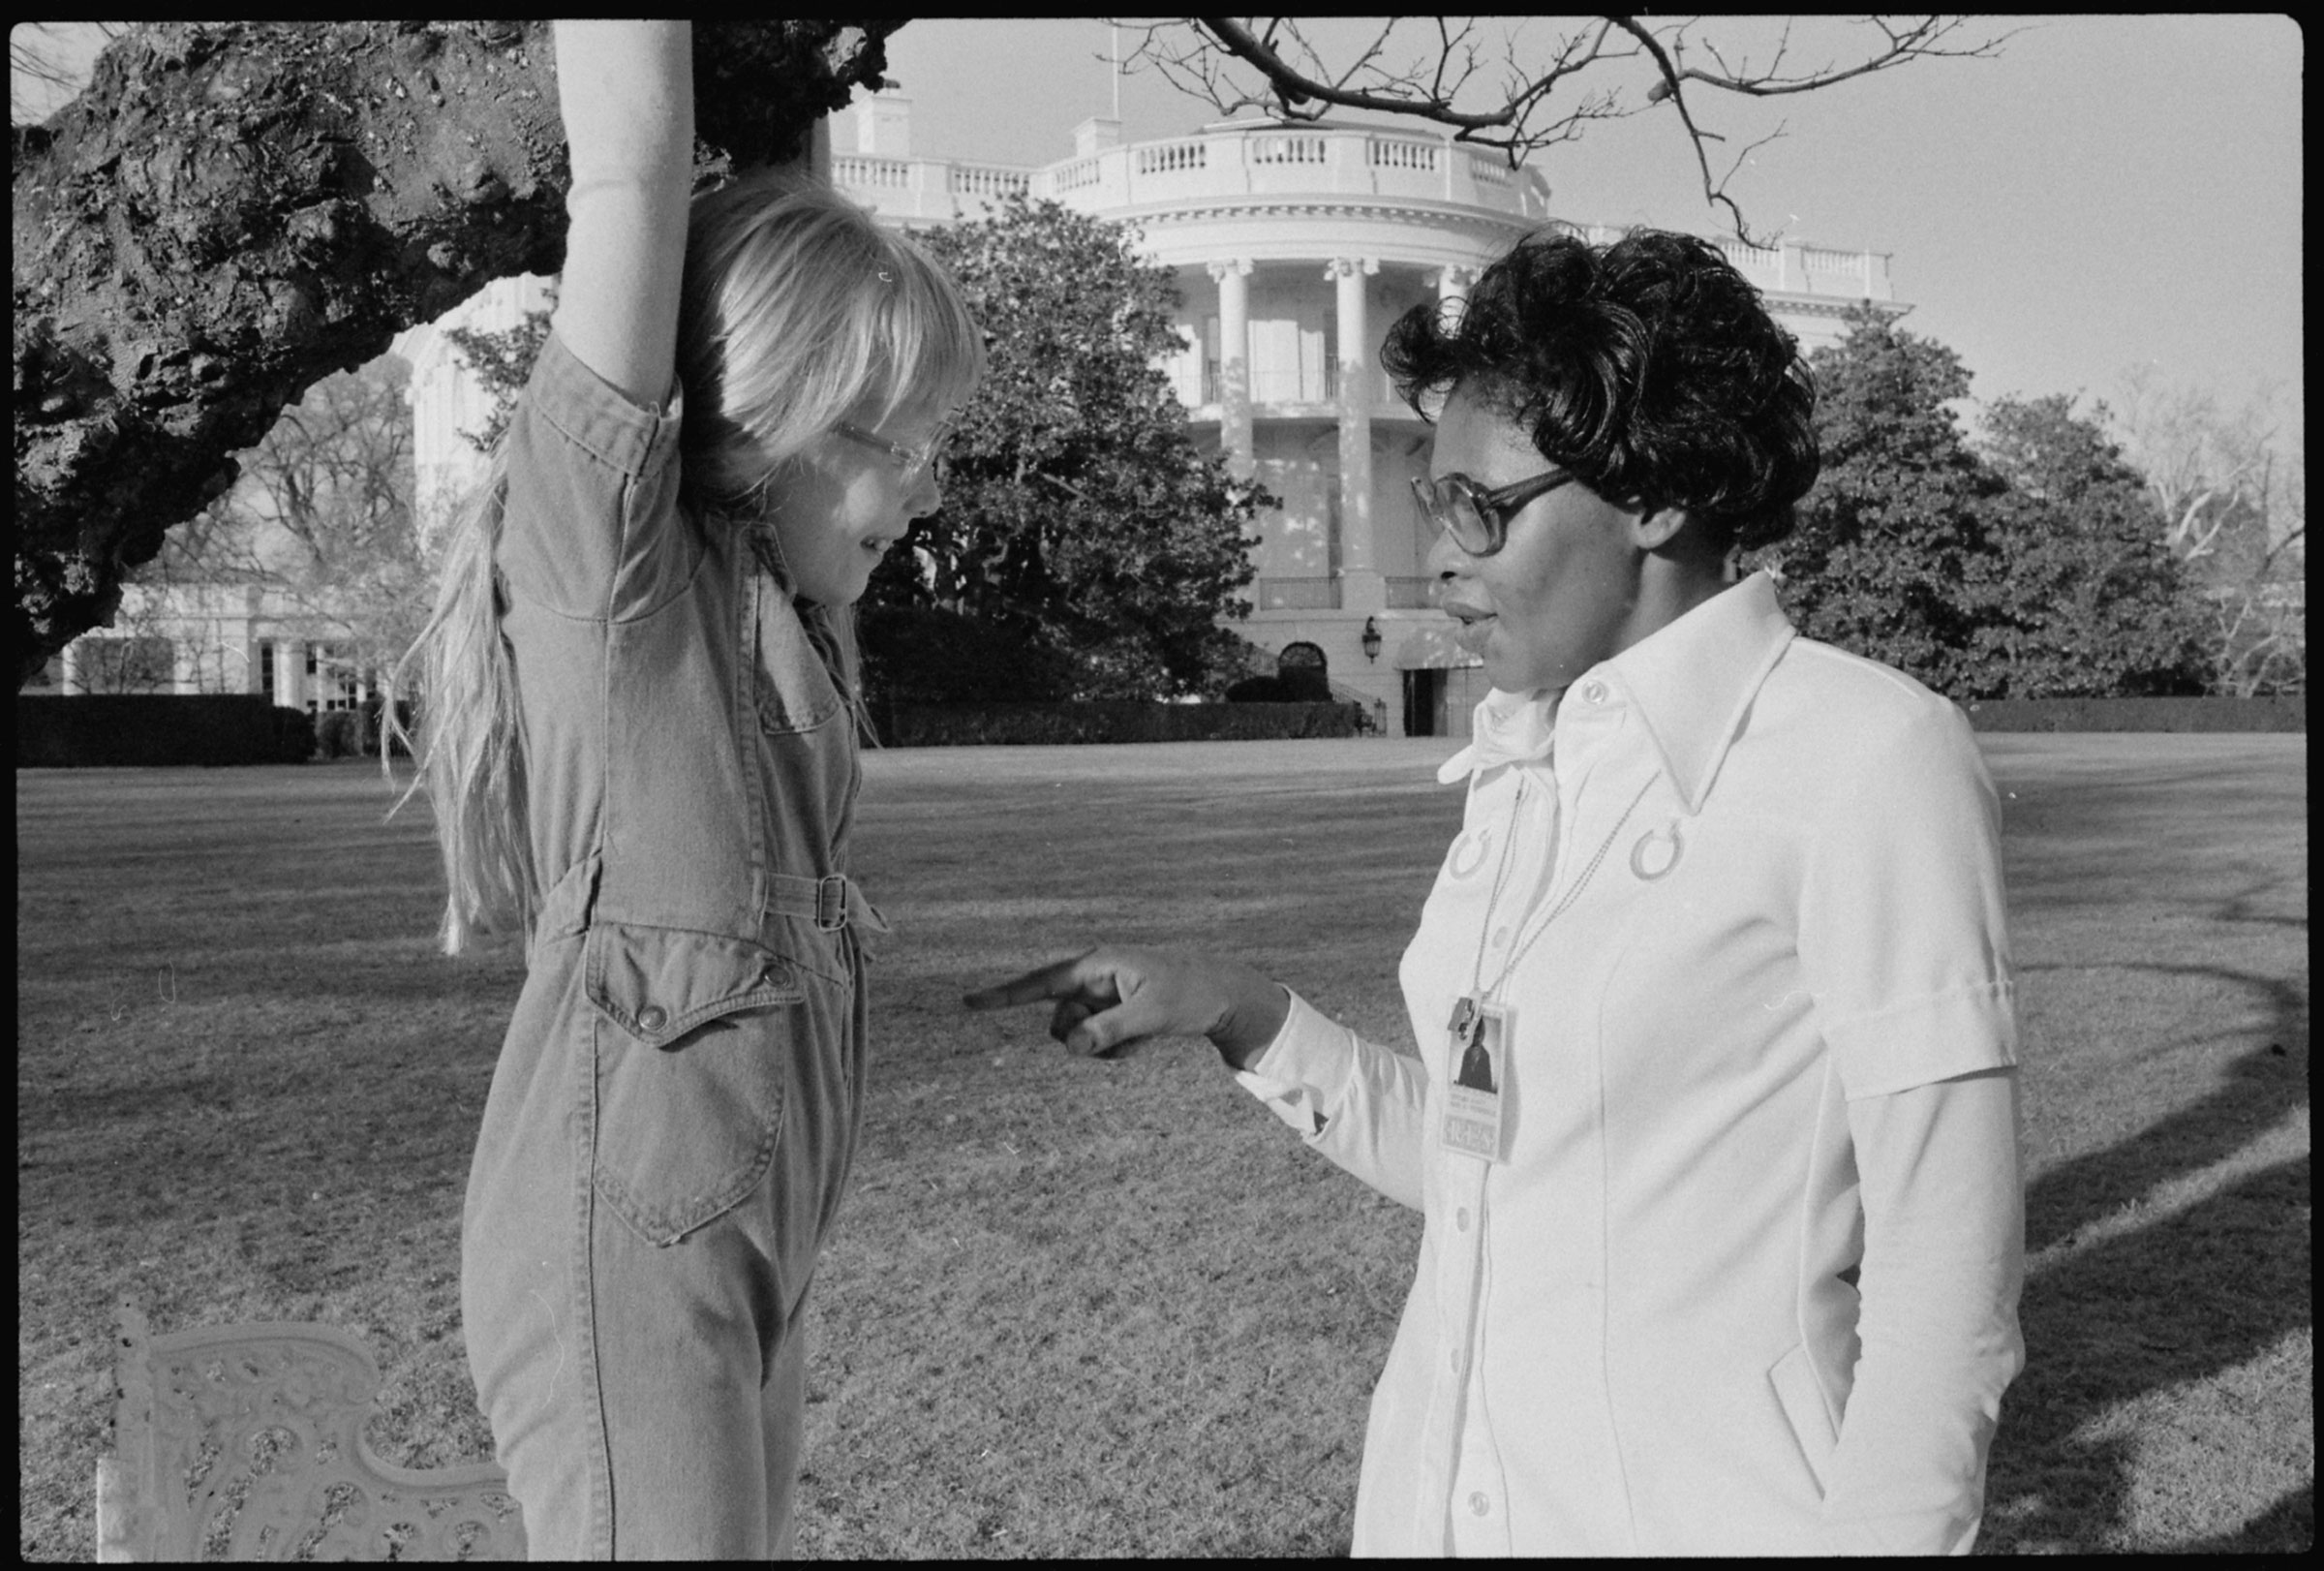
x: 1648, y: 367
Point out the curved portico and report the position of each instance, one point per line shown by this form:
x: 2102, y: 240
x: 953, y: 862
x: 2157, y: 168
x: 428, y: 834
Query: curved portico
x: 1295, y: 247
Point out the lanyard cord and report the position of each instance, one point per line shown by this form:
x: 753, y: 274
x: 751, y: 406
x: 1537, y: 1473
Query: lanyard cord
x: 1509, y: 845
x: 1541, y: 924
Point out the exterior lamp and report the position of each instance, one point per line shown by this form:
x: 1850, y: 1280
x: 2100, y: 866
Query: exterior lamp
x: 1371, y: 639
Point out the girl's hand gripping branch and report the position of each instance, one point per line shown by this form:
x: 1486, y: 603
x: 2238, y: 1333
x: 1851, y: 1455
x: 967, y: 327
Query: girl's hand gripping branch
x: 1110, y: 1000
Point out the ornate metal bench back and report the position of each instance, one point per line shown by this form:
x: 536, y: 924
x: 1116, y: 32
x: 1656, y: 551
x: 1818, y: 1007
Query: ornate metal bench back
x: 246, y: 1444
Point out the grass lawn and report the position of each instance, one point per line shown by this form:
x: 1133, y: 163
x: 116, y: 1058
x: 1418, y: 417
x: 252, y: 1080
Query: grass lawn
x: 1114, y: 1308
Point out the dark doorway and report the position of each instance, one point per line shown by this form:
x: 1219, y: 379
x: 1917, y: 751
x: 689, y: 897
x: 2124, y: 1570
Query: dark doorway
x: 1424, y: 703
x: 1301, y: 670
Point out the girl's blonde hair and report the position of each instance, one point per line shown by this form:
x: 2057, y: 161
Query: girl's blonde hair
x: 799, y: 312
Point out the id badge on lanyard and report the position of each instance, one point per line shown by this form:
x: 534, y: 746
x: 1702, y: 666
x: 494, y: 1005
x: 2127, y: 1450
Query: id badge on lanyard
x: 1477, y: 1038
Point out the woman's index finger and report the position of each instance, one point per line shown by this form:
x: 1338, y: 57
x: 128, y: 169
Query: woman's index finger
x: 1058, y: 979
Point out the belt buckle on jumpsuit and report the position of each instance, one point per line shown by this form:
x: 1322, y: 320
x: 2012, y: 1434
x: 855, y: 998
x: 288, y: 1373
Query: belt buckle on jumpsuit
x: 831, y: 903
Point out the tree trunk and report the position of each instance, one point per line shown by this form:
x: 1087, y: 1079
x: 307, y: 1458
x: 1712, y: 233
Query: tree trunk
x: 235, y: 210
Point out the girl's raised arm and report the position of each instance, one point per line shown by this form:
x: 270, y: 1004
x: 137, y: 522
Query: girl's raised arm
x: 626, y: 92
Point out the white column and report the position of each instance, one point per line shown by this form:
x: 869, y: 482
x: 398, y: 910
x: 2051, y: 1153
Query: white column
x: 253, y: 679
x: 185, y: 660
x: 1362, y: 588
x: 1453, y: 293
x: 1234, y: 363
x: 289, y: 674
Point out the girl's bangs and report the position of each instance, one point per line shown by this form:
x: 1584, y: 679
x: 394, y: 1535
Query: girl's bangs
x: 932, y: 351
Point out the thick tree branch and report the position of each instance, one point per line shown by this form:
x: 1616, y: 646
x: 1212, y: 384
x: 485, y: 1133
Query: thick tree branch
x: 232, y: 211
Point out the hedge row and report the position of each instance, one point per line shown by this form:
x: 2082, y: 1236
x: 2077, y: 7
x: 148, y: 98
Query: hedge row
x: 2284, y: 714
x: 908, y: 725
x: 148, y: 730
x: 153, y: 731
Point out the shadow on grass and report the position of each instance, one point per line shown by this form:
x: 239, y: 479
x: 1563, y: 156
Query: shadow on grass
x: 2183, y: 1298
x: 2146, y: 1328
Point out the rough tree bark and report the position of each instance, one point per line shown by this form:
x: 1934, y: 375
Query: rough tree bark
x: 232, y: 211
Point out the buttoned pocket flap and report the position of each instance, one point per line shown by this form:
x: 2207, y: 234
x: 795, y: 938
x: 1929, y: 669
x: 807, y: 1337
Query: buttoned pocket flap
x: 658, y: 983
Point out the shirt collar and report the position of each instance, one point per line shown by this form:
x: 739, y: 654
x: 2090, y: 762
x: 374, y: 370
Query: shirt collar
x: 1509, y: 727
x: 1690, y: 683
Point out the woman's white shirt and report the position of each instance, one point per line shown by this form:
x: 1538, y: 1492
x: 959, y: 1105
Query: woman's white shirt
x: 1741, y: 898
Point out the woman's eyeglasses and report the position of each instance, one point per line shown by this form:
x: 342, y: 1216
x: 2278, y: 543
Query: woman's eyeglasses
x: 913, y: 459
x: 1478, y: 519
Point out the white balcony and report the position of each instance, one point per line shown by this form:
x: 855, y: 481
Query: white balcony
x: 1792, y: 267
x: 1239, y: 159
x: 1261, y: 159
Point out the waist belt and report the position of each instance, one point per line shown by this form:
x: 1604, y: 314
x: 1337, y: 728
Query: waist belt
x: 832, y: 902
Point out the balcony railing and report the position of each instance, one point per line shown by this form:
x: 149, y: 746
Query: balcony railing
x: 1265, y: 159
x: 913, y: 184
x: 1242, y: 159
x: 1298, y: 594
x: 1306, y: 385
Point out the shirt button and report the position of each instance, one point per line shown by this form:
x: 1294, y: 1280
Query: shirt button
x: 1460, y: 1218
x: 1594, y: 691
x: 1479, y: 1505
x: 651, y: 1019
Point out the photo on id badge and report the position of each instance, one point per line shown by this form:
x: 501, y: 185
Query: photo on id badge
x: 1478, y: 1043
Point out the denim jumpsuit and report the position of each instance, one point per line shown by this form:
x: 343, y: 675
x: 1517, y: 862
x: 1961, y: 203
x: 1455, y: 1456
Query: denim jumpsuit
x: 678, y: 1097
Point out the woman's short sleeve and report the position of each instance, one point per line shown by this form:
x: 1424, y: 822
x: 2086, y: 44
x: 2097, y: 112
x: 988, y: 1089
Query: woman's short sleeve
x: 593, y: 526
x: 1903, y: 933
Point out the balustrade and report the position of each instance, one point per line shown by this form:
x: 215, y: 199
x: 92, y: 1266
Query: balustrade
x: 1402, y: 153
x: 1169, y: 157
x: 880, y: 173
x: 1298, y: 594
x: 1491, y: 167
x: 1217, y: 162
x: 1287, y: 149
x: 991, y: 180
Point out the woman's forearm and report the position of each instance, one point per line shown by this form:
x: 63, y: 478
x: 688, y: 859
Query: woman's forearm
x: 1943, y: 1262
x: 625, y: 91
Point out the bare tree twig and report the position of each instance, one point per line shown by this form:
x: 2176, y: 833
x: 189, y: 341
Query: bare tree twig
x: 1541, y: 101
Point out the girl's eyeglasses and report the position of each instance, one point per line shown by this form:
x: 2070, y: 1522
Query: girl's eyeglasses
x: 913, y: 459
x: 1478, y: 519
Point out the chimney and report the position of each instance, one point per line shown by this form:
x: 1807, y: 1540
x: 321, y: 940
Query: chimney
x: 1096, y: 134
x: 884, y: 124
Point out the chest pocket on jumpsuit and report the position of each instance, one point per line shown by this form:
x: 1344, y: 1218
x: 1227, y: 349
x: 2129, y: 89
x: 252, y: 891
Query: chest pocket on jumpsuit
x: 806, y: 744
x: 793, y: 690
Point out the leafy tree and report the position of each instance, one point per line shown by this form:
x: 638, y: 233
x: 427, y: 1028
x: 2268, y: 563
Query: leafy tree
x: 1077, y: 506
x: 501, y: 362
x: 2089, y: 600
x: 1893, y: 557
x: 2034, y: 567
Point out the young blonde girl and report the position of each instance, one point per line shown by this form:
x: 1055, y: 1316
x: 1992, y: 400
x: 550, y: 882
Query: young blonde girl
x: 639, y: 737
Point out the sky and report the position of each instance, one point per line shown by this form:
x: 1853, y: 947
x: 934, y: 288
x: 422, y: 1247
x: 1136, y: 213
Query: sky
x: 2107, y: 192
